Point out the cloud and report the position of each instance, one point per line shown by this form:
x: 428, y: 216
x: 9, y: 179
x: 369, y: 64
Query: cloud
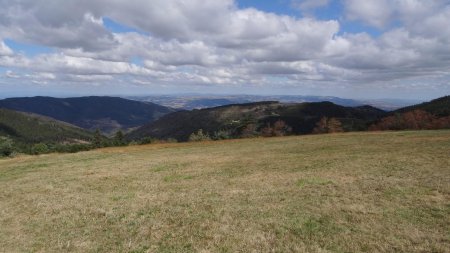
x: 377, y: 13
x: 210, y: 42
x: 5, y: 50
x: 308, y: 5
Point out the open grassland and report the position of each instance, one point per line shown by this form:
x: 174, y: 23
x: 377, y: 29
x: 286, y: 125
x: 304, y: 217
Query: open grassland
x: 356, y: 192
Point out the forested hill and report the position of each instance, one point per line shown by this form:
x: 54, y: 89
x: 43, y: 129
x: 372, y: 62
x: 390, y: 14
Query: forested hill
x: 439, y: 107
x: 26, y: 129
x: 105, y: 113
x: 240, y: 120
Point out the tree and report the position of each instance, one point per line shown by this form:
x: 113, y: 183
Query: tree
x: 280, y: 128
x: 413, y: 120
x: 321, y: 126
x: 199, y: 136
x: 119, y: 139
x: 6, y: 146
x: 334, y: 126
x: 326, y: 125
x: 97, y: 141
x: 249, y: 131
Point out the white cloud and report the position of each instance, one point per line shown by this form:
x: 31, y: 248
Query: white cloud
x: 374, y: 12
x: 5, y: 50
x: 214, y: 42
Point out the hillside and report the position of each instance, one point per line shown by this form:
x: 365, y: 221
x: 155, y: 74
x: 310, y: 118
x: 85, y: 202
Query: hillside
x: 106, y: 113
x: 430, y: 115
x: 439, y: 107
x: 26, y: 128
x: 235, y: 118
x: 353, y: 192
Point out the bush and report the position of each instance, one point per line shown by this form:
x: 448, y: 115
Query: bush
x: 6, y: 146
x: 40, y: 148
x: 146, y: 140
x: 222, y: 135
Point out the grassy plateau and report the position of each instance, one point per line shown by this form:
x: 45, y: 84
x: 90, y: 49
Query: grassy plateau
x: 354, y: 192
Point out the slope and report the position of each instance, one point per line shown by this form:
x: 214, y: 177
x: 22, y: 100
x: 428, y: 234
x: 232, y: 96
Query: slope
x: 353, y: 192
x: 25, y: 128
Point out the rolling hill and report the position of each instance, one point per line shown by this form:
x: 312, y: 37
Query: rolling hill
x: 26, y: 128
x: 105, y: 113
x: 234, y: 118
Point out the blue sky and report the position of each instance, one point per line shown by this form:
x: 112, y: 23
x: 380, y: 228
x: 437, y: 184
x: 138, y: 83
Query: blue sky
x: 346, y: 48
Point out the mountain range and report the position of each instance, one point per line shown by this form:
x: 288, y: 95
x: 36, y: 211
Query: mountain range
x: 72, y: 120
x: 201, y: 101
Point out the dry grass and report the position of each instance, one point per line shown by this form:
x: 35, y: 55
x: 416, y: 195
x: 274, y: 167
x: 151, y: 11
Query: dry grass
x: 358, y: 192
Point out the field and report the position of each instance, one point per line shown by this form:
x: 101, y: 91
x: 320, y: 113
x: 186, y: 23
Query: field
x: 354, y: 192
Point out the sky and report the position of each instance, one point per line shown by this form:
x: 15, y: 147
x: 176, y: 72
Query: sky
x: 345, y: 48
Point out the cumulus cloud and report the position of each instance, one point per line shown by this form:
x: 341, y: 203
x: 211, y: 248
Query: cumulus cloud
x: 210, y: 42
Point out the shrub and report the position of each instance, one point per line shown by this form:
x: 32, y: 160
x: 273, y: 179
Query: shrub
x: 6, y: 146
x: 40, y: 148
x: 146, y: 140
x: 222, y: 135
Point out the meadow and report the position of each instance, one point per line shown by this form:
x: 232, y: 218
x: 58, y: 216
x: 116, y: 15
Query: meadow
x: 352, y: 192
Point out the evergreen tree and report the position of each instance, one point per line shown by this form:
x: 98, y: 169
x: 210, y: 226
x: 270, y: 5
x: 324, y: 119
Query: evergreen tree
x: 97, y: 141
x: 119, y: 139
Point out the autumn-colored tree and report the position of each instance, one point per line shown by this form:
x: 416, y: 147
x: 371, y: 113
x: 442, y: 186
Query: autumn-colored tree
x: 413, y: 120
x: 321, y: 126
x: 267, y: 131
x: 249, y: 131
x: 328, y: 125
x: 441, y: 123
x: 334, y: 126
x: 280, y: 128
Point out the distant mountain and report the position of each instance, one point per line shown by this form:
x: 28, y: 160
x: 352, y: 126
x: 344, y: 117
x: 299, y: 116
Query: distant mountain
x: 439, y: 107
x: 234, y: 118
x: 189, y: 102
x: 105, y: 113
x: 25, y: 128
